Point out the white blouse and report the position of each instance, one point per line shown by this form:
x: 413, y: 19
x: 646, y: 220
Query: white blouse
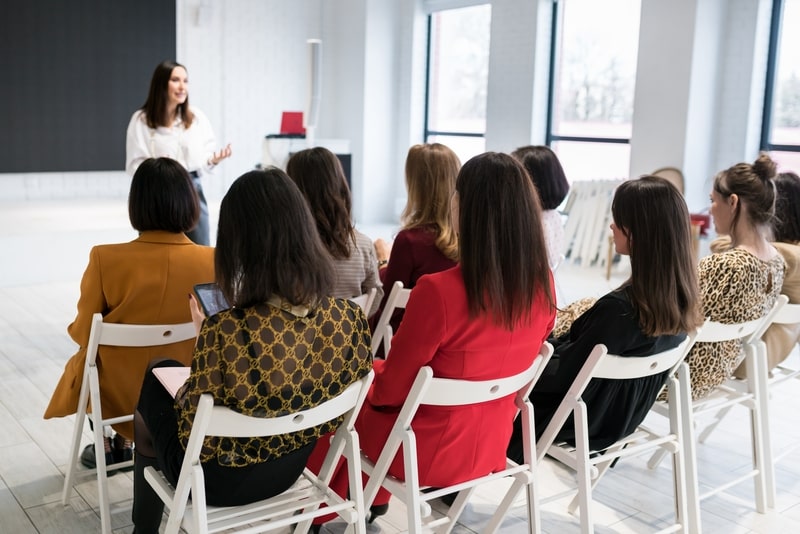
x: 553, y: 228
x: 191, y: 147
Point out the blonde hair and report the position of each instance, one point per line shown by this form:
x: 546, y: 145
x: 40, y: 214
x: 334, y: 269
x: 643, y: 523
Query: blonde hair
x: 431, y: 171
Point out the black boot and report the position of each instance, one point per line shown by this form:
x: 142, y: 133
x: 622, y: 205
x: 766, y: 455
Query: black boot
x: 377, y: 510
x: 147, y: 506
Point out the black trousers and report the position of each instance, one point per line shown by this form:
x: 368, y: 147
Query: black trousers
x: 225, y: 486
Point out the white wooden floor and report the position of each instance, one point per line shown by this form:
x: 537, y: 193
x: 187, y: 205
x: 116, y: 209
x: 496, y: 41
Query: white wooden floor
x: 45, y: 247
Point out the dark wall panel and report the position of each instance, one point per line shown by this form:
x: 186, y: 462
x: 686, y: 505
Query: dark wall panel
x: 71, y: 74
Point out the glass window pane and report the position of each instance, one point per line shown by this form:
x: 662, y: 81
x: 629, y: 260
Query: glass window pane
x: 459, y: 69
x: 464, y: 147
x: 595, y: 72
x: 593, y: 161
x: 787, y: 161
x: 786, y: 100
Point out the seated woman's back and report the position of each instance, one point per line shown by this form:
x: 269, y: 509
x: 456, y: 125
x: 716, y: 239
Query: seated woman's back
x: 318, y: 174
x: 144, y: 281
x: 651, y: 225
x: 427, y: 242
x: 742, y: 283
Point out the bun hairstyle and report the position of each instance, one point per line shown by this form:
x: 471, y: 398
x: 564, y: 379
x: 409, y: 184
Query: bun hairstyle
x: 755, y: 187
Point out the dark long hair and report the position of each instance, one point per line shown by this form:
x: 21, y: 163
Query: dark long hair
x: 501, y: 246
x: 786, y: 227
x: 320, y: 177
x: 155, y: 107
x: 267, y: 243
x: 652, y: 214
x: 546, y: 172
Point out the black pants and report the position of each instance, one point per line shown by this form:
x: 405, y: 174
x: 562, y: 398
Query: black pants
x: 225, y: 486
x: 200, y: 233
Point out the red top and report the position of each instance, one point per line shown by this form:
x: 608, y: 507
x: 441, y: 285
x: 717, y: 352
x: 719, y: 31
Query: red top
x: 414, y: 254
x: 453, y: 443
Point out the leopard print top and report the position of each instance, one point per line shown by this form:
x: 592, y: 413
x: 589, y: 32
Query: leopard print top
x: 735, y: 286
x: 266, y: 361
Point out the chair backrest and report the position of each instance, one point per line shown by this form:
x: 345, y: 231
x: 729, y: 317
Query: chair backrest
x: 748, y: 331
x: 398, y: 298
x: 777, y: 312
x: 222, y: 421
x: 134, y: 335
x: 671, y: 174
x: 787, y: 314
x: 621, y: 367
x: 365, y: 300
x: 600, y: 364
x: 450, y: 392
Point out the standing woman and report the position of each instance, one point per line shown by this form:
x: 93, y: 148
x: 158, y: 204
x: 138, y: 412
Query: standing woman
x: 320, y: 177
x: 165, y: 126
x: 427, y: 243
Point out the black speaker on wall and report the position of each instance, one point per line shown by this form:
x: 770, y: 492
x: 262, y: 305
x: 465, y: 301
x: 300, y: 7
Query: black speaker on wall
x: 71, y: 74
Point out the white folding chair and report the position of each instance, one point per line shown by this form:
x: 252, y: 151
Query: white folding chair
x: 382, y: 333
x: 591, y: 465
x: 753, y: 397
x: 298, y: 505
x: 119, y: 335
x: 428, y: 390
x: 365, y: 300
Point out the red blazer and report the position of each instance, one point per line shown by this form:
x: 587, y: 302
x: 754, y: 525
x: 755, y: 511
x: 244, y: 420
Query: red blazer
x: 453, y: 443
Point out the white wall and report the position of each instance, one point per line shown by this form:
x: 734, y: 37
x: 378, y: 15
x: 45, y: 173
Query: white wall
x: 698, y: 96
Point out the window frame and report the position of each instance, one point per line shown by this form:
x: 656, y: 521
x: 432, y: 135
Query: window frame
x: 550, y: 135
x: 776, y: 24
x: 427, y: 133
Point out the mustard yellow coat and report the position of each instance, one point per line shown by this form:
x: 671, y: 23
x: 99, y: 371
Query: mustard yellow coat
x: 145, y: 281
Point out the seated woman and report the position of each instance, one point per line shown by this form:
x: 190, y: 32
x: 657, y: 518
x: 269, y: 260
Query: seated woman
x: 651, y: 312
x: 283, y: 346
x: 320, y: 177
x: 427, y: 242
x: 142, y: 282
x: 743, y: 282
x: 485, y: 318
x: 548, y: 176
x: 780, y: 338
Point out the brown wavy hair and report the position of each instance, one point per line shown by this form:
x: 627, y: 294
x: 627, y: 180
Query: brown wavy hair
x: 319, y: 175
x: 431, y: 171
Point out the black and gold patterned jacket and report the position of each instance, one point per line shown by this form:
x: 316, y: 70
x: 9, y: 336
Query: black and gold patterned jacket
x: 270, y: 360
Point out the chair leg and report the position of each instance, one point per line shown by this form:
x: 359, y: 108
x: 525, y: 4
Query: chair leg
x: 99, y: 452
x: 689, y: 449
x: 720, y: 415
x: 766, y: 437
x: 757, y: 426
x: 678, y: 460
x: 77, y: 433
x: 583, y: 469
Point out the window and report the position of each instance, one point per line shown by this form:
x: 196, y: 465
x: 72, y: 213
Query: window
x: 458, y: 73
x: 593, y: 73
x: 780, y: 133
